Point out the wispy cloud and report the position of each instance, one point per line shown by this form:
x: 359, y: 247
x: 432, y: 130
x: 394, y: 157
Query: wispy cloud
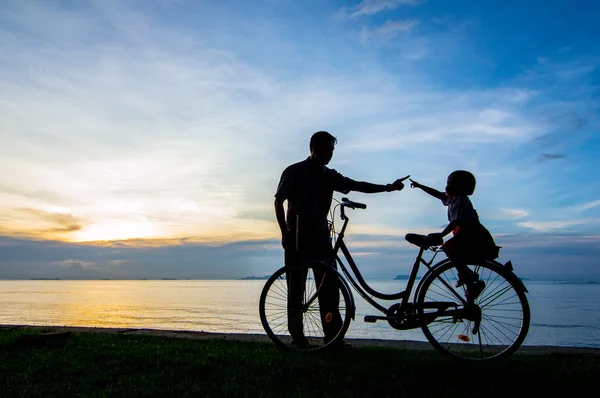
x: 389, y: 30
x: 468, y: 117
x: 371, y: 7
x: 513, y: 213
x: 588, y: 205
x: 73, y: 263
x: 551, y: 226
x: 50, y: 222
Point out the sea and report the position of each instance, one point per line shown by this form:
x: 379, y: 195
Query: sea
x: 562, y: 313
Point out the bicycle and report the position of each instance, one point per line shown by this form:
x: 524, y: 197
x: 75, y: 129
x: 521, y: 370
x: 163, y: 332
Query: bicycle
x: 492, y: 326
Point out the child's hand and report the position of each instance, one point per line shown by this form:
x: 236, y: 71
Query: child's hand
x: 434, y: 239
x: 414, y: 184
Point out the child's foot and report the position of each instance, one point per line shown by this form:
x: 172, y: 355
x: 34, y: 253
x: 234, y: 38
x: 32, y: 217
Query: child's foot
x: 466, y: 278
x: 474, y: 289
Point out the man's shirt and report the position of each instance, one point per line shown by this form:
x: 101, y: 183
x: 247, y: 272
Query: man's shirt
x: 308, y: 187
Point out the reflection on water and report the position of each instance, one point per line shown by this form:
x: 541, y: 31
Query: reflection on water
x: 561, y: 314
x: 214, y: 306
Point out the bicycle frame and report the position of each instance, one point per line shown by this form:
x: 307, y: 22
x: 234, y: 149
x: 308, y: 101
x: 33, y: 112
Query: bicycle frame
x: 363, y: 288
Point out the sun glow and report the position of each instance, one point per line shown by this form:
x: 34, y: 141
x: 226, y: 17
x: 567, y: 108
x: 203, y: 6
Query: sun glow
x: 116, y: 230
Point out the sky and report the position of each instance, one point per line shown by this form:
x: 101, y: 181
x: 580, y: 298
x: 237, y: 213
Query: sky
x: 146, y: 139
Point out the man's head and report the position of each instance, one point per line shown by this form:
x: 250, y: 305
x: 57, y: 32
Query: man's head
x: 322, y: 145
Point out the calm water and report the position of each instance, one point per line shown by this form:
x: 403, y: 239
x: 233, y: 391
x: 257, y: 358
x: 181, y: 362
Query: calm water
x: 564, y: 314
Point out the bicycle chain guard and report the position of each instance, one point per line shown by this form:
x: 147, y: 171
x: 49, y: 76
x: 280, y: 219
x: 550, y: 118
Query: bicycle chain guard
x: 402, y: 321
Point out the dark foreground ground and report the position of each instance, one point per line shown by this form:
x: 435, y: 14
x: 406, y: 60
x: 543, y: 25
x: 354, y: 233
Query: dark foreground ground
x: 133, y: 362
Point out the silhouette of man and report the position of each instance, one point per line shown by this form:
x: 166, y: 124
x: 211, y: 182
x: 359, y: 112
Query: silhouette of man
x: 308, y: 187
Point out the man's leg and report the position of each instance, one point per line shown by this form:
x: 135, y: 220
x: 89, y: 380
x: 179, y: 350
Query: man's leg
x: 296, y: 280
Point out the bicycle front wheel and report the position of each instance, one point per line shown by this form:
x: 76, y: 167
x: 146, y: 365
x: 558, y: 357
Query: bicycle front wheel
x: 493, y: 326
x: 305, y: 307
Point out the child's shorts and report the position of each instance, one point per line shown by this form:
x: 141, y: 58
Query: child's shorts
x: 471, y: 246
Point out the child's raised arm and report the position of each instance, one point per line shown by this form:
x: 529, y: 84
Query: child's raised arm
x: 433, y: 192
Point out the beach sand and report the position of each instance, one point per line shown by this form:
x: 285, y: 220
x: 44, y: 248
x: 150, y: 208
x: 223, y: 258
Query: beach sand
x: 398, y: 344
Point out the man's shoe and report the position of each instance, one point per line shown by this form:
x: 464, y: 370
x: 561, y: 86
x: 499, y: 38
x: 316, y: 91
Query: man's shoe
x: 301, y: 343
x: 340, y: 345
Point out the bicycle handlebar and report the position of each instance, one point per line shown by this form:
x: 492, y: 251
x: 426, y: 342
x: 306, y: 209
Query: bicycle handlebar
x: 353, y: 205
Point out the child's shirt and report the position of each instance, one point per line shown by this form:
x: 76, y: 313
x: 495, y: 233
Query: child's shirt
x: 460, y: 209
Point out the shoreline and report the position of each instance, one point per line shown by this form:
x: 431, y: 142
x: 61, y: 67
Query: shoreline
x: 192, y: 334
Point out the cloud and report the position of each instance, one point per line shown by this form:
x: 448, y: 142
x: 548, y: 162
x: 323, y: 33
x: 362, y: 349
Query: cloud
x: 389, y: 30
x: 467, y: 116
x: 55, y: 222
x: 179, y: 137
x: 550, y: 226
x: 155, y: 130
x: 535, y: 254
x: 371, y: 7
x: 588, y: 205
x: 513, y: 213
x: 73, y: 264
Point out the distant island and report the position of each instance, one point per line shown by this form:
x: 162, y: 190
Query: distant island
x: 44, y: 279
x: 403, y: 277
x: 169, y: 279
x: 262, y: 278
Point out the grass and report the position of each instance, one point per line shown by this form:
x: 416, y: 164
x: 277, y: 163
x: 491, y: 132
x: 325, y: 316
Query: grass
x: 95, y: 364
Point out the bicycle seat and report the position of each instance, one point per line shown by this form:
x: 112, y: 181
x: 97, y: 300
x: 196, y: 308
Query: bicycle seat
x: 419, y: 240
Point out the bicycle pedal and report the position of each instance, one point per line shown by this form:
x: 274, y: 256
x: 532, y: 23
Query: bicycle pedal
x: 370, y: 318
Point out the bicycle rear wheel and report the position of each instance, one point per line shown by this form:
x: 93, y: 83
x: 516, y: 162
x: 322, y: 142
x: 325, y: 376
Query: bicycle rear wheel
x: 492, y: 327
x: 310, y: 321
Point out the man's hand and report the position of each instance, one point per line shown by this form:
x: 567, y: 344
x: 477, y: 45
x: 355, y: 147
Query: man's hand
x: 414, y: 184
x: 398, y: 185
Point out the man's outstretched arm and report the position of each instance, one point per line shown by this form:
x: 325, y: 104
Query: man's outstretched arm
x: 367, y: 187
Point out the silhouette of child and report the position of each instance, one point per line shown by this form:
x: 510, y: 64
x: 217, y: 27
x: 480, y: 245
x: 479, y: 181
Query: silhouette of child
x: 472, y: 243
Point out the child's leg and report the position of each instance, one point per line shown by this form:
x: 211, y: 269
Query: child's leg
x: 468, y: 278
x: 457, y: 253
x: 465, y: 274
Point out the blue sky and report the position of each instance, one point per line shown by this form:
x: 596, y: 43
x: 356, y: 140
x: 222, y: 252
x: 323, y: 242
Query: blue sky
x: 146, y: 139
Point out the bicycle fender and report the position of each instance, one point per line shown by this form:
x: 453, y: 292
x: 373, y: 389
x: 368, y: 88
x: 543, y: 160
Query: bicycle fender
x: 509, y: 267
